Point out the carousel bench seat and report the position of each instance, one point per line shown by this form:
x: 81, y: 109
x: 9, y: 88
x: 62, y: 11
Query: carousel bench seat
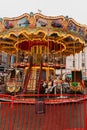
x: 76, y: 86
x: 13, y: 86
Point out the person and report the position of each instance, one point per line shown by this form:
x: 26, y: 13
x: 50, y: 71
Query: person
x: 43, y: 86
x: 49, y: 85
x: 45, y: 58
x: 65, y: 85
x: 55, y: 84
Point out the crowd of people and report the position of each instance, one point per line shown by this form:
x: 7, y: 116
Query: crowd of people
x: 55, y: 85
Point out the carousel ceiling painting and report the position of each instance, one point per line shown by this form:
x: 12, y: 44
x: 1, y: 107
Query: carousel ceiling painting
x: 60, y: 33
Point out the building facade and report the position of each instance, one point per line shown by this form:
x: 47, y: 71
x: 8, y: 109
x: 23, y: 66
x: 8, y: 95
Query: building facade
x: 78, y: 62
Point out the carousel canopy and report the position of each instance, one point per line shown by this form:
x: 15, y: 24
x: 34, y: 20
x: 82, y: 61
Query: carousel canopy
x: 59, y: 33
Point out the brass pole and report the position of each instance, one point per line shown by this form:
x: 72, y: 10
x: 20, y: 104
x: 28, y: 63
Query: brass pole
x: 48, y: 54
x: 74, y: 64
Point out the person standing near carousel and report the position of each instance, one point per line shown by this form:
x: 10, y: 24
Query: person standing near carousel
x: 49, y: 85
x: 55, y: 84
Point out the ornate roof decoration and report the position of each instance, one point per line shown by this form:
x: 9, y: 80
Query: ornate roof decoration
x: 32, y: 29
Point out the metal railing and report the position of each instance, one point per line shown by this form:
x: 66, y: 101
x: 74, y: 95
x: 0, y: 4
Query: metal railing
x: 28, y: 112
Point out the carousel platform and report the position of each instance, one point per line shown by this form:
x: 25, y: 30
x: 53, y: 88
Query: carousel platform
x: 31, y: 98
x: 47, y: 99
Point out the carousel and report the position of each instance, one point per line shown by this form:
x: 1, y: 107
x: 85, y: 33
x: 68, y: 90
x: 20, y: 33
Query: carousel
x: 39, y: 45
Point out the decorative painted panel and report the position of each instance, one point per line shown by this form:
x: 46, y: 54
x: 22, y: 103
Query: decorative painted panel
x: 8, y: 24
x: 23, y: 22
x: 57, y: 23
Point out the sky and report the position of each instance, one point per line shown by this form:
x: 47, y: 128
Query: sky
x: 76, y: 9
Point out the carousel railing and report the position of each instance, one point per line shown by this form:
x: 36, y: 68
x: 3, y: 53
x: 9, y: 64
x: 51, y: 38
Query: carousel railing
x: 44, y: 114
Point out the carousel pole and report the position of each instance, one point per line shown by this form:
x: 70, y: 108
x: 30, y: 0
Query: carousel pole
x: 16, y: 72
x: 74, y: 63
x: 85, y: 60
x: 83, y: 64
x: 75, y: 88
x: 48, y: 52
x: 48, y: 61
x: 83, y: 67
x: 61, y: 89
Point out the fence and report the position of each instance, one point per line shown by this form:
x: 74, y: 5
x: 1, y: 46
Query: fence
x: 50, y: 113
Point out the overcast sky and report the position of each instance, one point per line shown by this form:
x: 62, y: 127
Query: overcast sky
x: 76, y: 9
